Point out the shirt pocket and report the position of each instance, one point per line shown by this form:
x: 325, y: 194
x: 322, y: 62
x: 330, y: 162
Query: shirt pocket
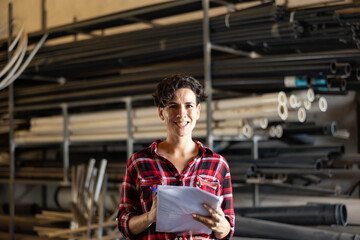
x: 208, y: 184
x: 146, y: 194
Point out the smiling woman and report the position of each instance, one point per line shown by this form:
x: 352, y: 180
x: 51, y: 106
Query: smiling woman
x: 181, y: 114
x: 177, y: 160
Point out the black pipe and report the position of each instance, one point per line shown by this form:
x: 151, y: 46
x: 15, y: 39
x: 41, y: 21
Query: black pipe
x: 337, y: 83
x: 341, y: 69
x: 255, y: 228
x: 152, y: 43
x: 310, y: 129
x: 311, y: 214
x: 22, y: 209
x: 267, y: 152
x: 302, y: 162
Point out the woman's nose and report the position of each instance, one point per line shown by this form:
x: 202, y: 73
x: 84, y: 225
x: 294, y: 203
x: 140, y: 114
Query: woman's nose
x: 181, y: 112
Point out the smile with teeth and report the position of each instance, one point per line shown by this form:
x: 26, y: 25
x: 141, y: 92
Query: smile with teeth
x: 182, y: 124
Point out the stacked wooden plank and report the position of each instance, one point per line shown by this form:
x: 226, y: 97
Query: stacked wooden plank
x: 87, y: 217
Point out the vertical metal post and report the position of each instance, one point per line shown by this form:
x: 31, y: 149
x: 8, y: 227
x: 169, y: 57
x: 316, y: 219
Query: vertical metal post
x: 11, y: 138
x: 65, y: 143
x: 255, y: 153
x: 207, y: 72
x: 43, y: 15
x: 130, y: 138
x: 75, y: 34
x: 101, y: 205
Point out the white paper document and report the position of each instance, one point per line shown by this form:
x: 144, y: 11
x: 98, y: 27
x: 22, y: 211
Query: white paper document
x: 176, y: 204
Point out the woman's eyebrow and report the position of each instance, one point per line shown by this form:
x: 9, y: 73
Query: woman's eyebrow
x: 175, y: 103
x: 172, y: 103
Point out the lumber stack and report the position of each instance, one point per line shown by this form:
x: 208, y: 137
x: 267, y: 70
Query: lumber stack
x: 236, y: 117
x: 87, y: 217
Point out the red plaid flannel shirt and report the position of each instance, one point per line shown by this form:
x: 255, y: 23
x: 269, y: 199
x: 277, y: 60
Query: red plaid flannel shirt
x: 208, y: 171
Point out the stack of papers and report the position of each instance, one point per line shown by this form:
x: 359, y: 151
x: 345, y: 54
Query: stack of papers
x: 176, y: 204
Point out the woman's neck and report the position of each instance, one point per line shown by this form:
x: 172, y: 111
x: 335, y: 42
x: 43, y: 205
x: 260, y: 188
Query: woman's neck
x: 179, y: 145
x: 180, y: 153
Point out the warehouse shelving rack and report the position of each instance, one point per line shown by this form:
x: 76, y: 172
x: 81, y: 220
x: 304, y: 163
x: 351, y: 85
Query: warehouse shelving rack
x: 208, y: 47
x: 143, y: 15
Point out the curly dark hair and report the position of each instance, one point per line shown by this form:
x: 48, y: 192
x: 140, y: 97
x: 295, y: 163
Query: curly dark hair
x: 165, y: 90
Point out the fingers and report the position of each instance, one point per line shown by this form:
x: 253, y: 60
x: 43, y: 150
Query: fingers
x: 213, y: 214
x: 210, y: 221
x: 216, y: 221
x: 205, y: 220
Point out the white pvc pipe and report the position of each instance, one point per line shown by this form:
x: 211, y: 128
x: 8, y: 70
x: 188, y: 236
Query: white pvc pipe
x: 283, y: 112
x: 254, y: 101
x: 293, y: 101
x: 307, y: 105
x: 303, y: 95
x: 269, y: 111
x: 20, y: 47
x: 99, y: 137
x: 298, y: 115
x: 259, y: 123
x: 147, y: 121
x: 230, y: 123
x: 12, y: 78
x: 279, y: 131
x: 245, y: 131
x: 82, y: 117
x: 145, y: 112
x: 320, y: 105
x: 272, y: 131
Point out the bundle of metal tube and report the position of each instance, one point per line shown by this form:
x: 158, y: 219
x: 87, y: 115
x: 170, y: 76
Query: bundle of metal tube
x: 184, y: 40
x: 138, y: 82
x: 269, y: 152
x: 295, y: 161
x: 311, y: 214
x: 344, y: 160
x: 249, y: 227
x: 279, y: 200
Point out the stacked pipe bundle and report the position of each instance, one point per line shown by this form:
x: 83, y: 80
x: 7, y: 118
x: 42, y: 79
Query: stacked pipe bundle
x: 143, y: 57
x: 255, y: 228
x: 310, y: 214
x: 237, y: 117
x: 266, y: 29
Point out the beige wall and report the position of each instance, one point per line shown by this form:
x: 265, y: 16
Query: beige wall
x: 64, y: 11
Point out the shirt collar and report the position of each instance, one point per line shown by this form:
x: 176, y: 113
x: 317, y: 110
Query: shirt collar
x: 154, y: 147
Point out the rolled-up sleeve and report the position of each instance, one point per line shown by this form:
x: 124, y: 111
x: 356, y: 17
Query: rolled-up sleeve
x: 227, y: 205
x: 130, y: 200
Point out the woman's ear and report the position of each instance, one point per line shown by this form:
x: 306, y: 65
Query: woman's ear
x: 198, y: 111
x: 161, y: 113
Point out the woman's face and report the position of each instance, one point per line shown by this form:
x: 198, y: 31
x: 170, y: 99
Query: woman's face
x: 181, y: 113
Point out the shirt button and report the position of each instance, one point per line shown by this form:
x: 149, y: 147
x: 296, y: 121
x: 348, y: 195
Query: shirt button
x: 180, y: 179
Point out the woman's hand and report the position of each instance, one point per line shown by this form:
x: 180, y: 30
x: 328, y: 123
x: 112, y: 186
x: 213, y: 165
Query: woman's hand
x: 216, y: 222
x: 138, y: 223
x: 152, y: 213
